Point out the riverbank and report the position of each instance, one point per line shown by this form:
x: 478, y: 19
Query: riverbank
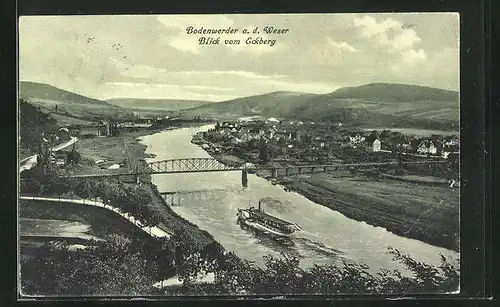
x: 127, y: 147
x: 428, y: 213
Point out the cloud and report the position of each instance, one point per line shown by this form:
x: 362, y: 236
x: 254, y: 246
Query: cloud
x: 439, y: 68
x: 388, y: 33
x: 328, y: 53
x: 413, y: 57
x: 394, y: 38
x: 343, y: 46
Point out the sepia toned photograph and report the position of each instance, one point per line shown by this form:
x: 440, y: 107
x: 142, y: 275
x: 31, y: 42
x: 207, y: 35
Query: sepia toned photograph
x: 251, y: 155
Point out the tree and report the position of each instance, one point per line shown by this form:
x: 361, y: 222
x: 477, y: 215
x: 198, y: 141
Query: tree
x: 252, y: 144
x: 385, y: 134
x: 73, y: 157
x: 282, y: 141
x: 106, y: 270
x: 84, y: 189
x: 264, y: 153
x: 372, y: 137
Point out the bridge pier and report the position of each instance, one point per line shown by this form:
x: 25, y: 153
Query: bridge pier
x: 136, y: 174
x: 244, y: 178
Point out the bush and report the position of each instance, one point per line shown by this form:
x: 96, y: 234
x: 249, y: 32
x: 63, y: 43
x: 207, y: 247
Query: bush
x: 106, y: 270
x: 285, y: 276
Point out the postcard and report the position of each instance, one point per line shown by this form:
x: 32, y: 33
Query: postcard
x: 251, y: 155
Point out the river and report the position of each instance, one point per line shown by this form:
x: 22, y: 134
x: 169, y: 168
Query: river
x: 327, y: 235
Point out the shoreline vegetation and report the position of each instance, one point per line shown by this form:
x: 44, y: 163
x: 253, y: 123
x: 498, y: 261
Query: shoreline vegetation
x: 411, y: 216
x: 129, y: 266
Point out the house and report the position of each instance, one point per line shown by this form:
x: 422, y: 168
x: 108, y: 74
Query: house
x: 354, y: 140
x: 58, y: 158
x: 235, y: 141
x: 271, y: 132
x: 246, y: 137
x: 297, y: 135
x: 427, y: 147
x: 94, y: 130
x: 63, y: 134
x: 455, y: 183
x: 272, y: 120
x: 376, y: 145
x: 405, y: 145
x: 451, y: 142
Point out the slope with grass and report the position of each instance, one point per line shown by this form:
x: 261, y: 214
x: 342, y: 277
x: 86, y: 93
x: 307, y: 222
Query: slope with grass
x: 155, y: 104
x: 279, y: 104
x: 69, y: 104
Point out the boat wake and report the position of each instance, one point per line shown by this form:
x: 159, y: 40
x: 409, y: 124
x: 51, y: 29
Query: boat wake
x: 318, y: 247
x: 296, y: 246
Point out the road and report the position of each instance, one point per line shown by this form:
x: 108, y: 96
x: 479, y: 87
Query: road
x: 29, y: 162
x: 153, y: 231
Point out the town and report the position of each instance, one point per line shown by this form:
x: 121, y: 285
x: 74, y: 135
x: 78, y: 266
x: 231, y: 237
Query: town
x: 271, y: 140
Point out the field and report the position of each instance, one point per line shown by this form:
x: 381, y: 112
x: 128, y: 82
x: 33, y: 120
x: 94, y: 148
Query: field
x: 417, y: 132
x: 111, y: 149
x: 426, y: 213
x: 65, y: 120
x: 87, y: 112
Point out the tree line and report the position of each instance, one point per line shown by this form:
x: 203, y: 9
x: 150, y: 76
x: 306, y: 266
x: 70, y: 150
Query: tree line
x: 131, y: 268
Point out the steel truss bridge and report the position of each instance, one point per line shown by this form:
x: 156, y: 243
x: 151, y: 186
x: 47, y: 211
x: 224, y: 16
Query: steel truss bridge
x: 190, y: 165
x: 201, y: 165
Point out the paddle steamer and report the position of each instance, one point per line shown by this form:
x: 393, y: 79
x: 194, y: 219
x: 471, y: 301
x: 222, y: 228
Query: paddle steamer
x: 257, y: 219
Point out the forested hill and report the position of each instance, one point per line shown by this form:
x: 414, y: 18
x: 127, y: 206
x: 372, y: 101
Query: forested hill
x: 371, y: 105
x: 33, y: 123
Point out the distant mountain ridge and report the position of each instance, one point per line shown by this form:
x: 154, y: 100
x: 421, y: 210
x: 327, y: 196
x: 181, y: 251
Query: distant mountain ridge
x: 376, y: 104
x: 370, y: 105
x: 156, y: 104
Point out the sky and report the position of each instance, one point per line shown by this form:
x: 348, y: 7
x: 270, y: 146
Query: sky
x: 153, y: 56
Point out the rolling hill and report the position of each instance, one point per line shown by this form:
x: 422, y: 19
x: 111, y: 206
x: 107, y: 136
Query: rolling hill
x: 371, y: 105
x: 155, y: 104
x: 69, y: 104
x: 279, y: 104
x: 391, y: 92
